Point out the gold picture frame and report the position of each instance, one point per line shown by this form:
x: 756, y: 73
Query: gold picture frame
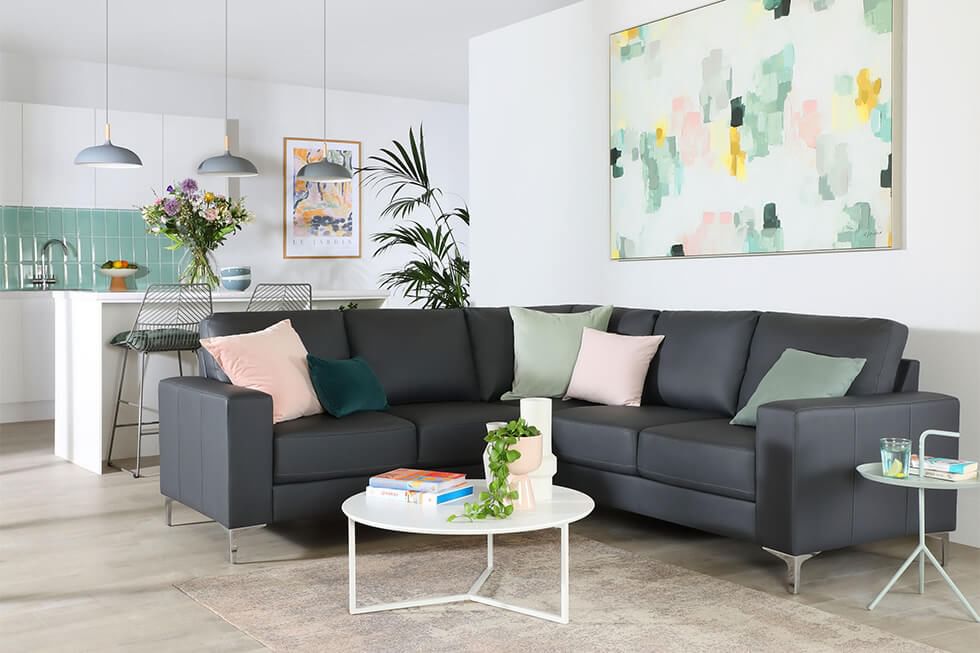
x: 317, y: 234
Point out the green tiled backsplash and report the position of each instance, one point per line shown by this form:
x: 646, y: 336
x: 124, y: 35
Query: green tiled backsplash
x: 93, y: 236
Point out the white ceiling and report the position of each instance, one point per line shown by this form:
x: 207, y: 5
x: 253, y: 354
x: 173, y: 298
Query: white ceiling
x: 410, y: 48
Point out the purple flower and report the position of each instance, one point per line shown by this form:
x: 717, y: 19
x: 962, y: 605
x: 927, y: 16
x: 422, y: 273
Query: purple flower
x: 188, y: 186
x: 170, y: 189
x: 170, y: 206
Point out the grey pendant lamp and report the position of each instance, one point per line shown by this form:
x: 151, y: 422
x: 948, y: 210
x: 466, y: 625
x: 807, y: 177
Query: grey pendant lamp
x: 227, y: 164
x: 107, y: 155
x: 324, y: 171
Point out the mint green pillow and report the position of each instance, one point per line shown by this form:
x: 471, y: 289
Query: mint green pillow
x: 801, y: 375
x: 346, y: 386
x: 546, y: 347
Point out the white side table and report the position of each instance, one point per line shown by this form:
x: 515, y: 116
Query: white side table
x: 873, y: 472
x: 565, y: 507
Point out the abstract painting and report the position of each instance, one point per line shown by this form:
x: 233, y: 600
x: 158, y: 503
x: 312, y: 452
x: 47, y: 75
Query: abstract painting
x: 320, y: 220
x: 753, y: 127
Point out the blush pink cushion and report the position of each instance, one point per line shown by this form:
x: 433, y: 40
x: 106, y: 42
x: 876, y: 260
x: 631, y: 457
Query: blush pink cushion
x: 272, y: 361
x: 611, y: 368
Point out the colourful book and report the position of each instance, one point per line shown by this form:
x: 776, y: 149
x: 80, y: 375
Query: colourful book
x: 946, y: 476
x: 949, y: 465
x: 421, y: 498
x: 420, y: 480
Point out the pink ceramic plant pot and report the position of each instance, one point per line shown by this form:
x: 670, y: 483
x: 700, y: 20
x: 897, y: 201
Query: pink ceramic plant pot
x: 530, y: 460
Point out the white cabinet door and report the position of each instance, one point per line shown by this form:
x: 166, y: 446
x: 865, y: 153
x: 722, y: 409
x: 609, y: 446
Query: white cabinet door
x: 52, y: 137
x: 11, y: 350
x: 37, y: 336
x: 131, y: 187
x: 186, y: 142
x: 10, y: 153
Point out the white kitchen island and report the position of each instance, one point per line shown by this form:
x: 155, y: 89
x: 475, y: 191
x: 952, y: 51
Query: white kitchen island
x: 87, y: 368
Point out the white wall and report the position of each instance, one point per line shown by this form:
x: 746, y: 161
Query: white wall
x: 266, y: 113
x: 538, y: 93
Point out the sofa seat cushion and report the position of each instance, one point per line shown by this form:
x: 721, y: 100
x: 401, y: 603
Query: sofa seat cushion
x: 710, y: 455
x: 323, y: 447
x: 604, y: 437
x: 452, y: 432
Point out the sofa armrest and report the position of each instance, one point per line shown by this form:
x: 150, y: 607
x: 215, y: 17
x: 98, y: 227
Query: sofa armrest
x: 216, y: 449
x: 809, y: 497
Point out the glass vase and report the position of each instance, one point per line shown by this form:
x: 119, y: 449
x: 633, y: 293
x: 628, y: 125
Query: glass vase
x: 199, y: 268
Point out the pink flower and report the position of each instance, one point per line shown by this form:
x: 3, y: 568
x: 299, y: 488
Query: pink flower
x: 211, y: 215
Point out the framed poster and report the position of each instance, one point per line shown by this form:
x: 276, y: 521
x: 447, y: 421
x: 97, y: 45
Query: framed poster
x: 320, y: 220
x: 756, y: 127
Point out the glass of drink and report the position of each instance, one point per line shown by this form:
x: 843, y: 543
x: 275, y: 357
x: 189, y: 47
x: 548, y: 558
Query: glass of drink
x: 896, y: 455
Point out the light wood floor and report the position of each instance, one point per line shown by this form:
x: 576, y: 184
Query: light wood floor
x: 86, y: 563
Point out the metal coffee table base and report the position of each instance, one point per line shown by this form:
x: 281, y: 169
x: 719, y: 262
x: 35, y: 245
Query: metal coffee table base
x: 470, y: 595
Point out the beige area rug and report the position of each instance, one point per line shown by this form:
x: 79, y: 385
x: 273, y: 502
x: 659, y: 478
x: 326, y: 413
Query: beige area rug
x: 620, y: 601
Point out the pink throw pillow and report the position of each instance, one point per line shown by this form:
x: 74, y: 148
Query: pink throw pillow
x: 272, y: 361
x: 611, y: 368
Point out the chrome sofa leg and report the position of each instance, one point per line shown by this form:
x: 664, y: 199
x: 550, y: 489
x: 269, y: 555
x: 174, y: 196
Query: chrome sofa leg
x: 793, y: 566
x: 233, y: 542
x: 943, y: 539
x: 168, y: 513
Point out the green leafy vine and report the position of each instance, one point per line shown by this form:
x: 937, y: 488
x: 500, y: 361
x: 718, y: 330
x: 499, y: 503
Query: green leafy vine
x: 495, y: 502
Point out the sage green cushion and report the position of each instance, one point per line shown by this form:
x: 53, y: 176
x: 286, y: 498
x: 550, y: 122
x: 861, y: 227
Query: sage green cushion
x: 546, y: 347
x: 167, y: 339
x: 801, y: 375
x: 346, y: 386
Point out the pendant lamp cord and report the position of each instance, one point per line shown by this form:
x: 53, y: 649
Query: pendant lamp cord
x: 226, y: 75
x: 107, y: 68
x: 324, y: 78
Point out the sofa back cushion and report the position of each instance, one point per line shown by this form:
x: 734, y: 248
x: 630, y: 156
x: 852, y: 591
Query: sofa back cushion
x: 492, y: 334
x: 322, y: 332
x: 880, y: 342
x: 701, y: 361
x: 418, y: 355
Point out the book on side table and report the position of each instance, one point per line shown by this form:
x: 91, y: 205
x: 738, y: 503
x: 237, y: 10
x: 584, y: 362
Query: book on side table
x: 419, y: 486
x: 947, y: 469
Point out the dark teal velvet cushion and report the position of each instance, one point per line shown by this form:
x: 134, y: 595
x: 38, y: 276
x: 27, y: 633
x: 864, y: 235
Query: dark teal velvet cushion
x: 346, y: 386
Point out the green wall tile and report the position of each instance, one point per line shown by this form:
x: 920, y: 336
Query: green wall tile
x: 84, y: 217
x: 25, y: 220
x: 69, y: 221
x: 55, y: 224
x: 9, y: 215
x: 40, y: 221
x: 98, y: 222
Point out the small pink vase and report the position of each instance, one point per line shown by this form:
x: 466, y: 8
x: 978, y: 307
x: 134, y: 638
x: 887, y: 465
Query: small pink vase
x: 530, y: 460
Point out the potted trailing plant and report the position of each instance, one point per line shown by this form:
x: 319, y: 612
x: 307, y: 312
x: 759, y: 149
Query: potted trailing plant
x: 497, y: 501
x: 438, y: 275
x: 198, y: 222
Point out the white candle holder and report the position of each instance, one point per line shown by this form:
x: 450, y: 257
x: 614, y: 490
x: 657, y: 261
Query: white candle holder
x: 536, y: 411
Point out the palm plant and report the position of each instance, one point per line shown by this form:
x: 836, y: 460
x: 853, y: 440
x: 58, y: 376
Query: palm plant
x: 438, y: 275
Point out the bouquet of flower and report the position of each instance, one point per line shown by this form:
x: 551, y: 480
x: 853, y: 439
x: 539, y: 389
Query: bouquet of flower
x: 198, y: 222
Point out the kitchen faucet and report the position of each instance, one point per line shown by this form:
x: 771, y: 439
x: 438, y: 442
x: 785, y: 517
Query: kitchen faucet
x: 45, y: 277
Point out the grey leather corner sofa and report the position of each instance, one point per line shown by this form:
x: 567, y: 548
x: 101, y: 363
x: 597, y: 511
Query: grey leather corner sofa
x: 788, y: 485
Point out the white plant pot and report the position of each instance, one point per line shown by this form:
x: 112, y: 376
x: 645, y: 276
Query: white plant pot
x: 537, y: 412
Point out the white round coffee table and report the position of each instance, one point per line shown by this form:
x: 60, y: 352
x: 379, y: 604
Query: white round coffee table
x: 873, y: 472
x: 565, y: 507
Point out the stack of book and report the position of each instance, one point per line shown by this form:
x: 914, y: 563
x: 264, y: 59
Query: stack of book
x: 419, y: 486
x: 947, y: 469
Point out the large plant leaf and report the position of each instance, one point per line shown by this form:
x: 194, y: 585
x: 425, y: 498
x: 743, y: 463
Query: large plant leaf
x: 438, y: 274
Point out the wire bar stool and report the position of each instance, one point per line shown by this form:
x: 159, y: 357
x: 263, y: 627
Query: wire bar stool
x: 168, y: 320
x: 281, y: 297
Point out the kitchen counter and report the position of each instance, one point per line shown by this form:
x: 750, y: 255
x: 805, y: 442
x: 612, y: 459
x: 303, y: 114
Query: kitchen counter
x: 87, y: 368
